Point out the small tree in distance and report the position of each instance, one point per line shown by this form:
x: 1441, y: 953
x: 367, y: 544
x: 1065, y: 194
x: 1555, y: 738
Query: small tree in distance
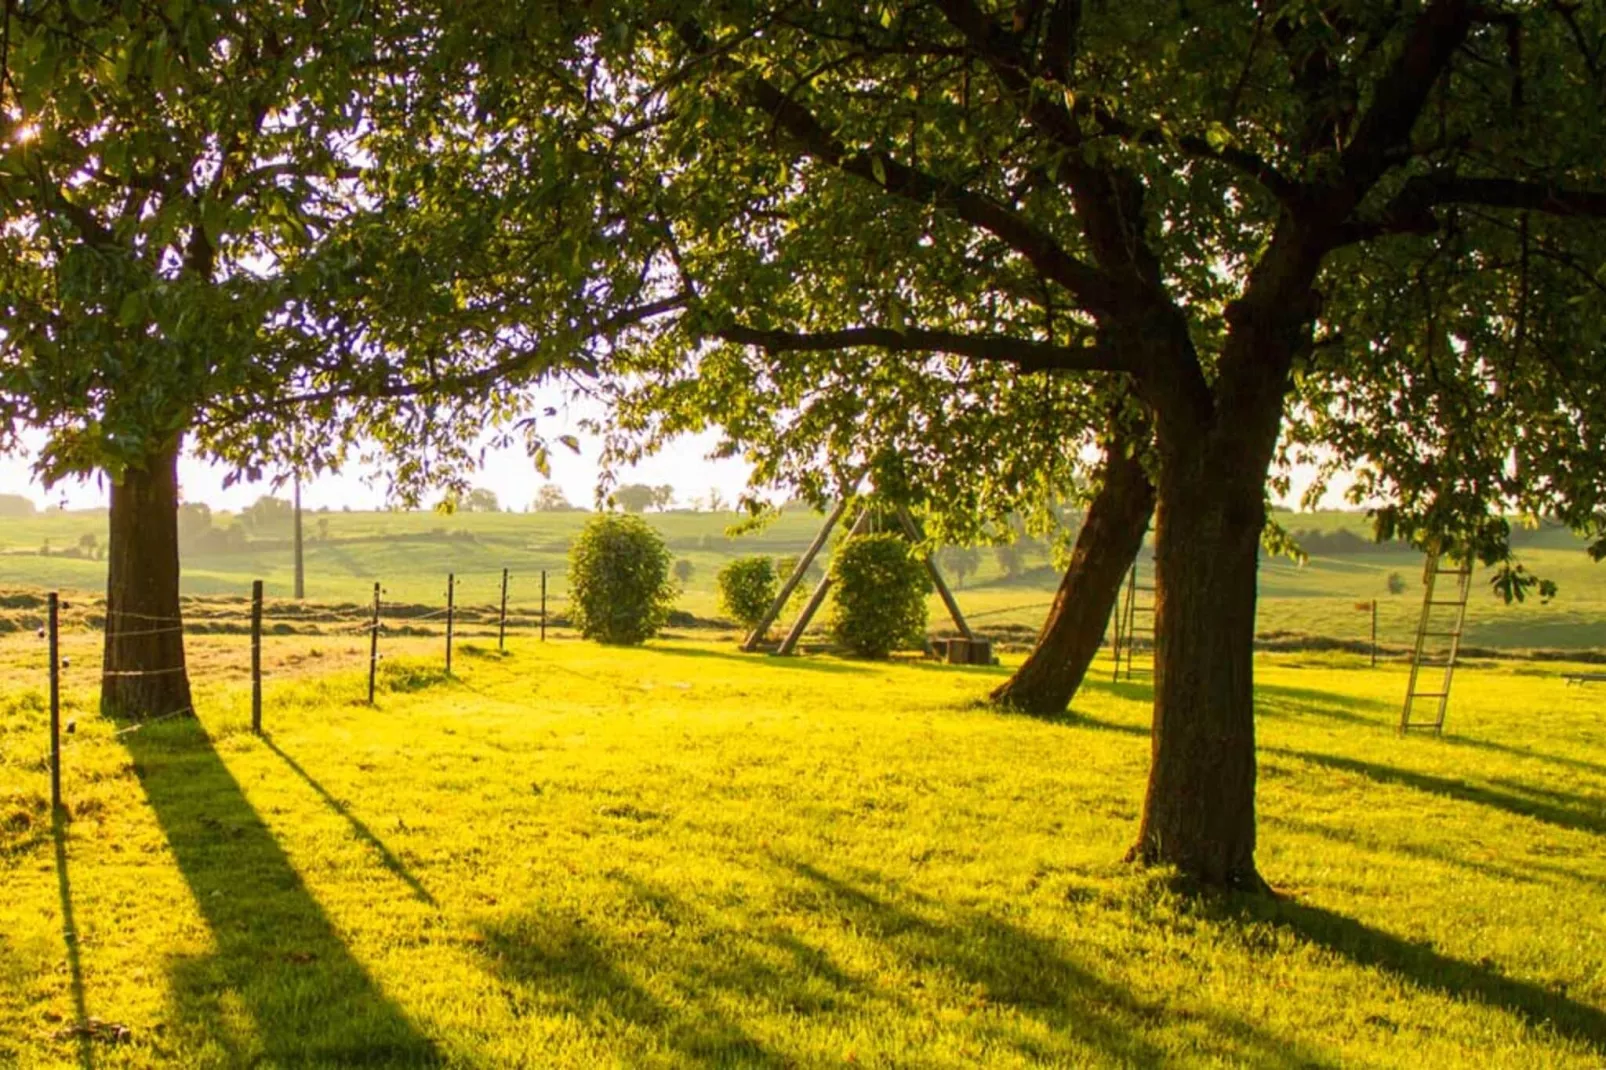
x: 684, y: 570
x: 1396, y: 583
x: 880, y: 596
x: 746, y: 589
x: 550, y: 499
x: 619, y: 580
x: 635, y: 497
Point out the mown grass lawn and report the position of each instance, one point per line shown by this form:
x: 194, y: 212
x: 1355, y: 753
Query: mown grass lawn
x: 575, y: 856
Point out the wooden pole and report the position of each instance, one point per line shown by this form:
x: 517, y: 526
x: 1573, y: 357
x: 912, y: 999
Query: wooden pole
x: 451, y: 604
x: 912, y: 529
x: 1374, y: 633
x: 373, y: 645
x: 543, y: 605
x: 756, y: 636
x: 55, y: 702
x: 301, y: 572
x: 501, y: 621
x: 256, y: 656
x: 789, y: 644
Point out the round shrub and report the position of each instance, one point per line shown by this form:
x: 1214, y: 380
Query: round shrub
x: 880, y: 596
x: 746, y: 589
x: 619, y: 585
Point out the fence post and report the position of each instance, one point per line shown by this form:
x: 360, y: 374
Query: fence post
x: 451, y: 593
x: 543, y: 605
x: 256, y: 656
x: 1374, y: 633
x: 373, y: 645
x: 501, y: 623
x: 55, y: 702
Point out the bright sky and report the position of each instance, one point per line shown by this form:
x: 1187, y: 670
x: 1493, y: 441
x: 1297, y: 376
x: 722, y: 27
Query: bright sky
x: 684, y: 466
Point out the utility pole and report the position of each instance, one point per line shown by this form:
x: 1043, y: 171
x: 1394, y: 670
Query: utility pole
x: 301, y: 574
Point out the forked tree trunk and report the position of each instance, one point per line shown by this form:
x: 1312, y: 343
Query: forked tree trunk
x: 1199, y: 812
x: 1111, y: 535
x: 144, y: 669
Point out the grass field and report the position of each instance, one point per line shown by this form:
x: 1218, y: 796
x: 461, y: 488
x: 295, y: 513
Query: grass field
x: 411, y: 554
x: 679, y: 856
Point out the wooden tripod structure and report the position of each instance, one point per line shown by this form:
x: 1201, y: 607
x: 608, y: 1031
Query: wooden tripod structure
x: 789, y: 645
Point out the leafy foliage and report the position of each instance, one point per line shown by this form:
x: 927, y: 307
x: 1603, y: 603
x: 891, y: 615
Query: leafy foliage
x: 747, y: 588
x: 880, y: 595
x: 619, y: 582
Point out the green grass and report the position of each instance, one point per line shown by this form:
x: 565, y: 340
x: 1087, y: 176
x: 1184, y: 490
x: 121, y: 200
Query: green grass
x: 411, y: 554
x: 679, y: 856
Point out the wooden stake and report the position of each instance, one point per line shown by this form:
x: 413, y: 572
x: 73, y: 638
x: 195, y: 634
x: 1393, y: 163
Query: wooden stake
x: 256, y: 656
x: 55, y: 702
x: 451, y: 604
x: 912, y: 529
x: 543, y: 605
x: 501, y: 622
x: 789, y: 644
x: 373, y: 646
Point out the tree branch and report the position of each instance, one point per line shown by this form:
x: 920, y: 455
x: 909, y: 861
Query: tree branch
x: 1092, y: 289
x: 1025, y: 354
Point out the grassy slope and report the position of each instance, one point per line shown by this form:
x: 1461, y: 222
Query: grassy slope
x: 678, y: 856
x: 411, y: 553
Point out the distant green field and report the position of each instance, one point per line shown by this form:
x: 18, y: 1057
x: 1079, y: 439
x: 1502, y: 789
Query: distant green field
x: 412, y: 553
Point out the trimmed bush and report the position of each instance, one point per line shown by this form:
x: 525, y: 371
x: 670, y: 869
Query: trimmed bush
x: 619, y: 583
x: 746, y: 589
x: 880, y: 596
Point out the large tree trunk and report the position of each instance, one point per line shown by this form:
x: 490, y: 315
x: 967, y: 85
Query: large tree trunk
x: 1111, y: 536
x: 145, y: 674
x: 1199, y: 813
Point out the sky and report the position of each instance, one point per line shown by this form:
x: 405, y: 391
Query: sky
x: 684, y: 465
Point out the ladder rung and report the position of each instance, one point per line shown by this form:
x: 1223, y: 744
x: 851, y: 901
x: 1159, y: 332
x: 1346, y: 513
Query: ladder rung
x: 1441, y: 602
x: 1441, y: 635
x: 1428, y: 694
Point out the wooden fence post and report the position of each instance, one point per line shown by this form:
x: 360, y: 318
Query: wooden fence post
x: 501, y: 622
x: 256, y: 656
x: 543, y: 605
x: 1374, y: 633
x: 373, y: 645
x: 451, y: 603
x: 55, y: 702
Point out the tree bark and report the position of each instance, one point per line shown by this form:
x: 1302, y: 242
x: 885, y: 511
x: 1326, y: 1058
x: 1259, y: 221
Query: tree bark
x: 1111, y: 535
x: 145, y: 674
x: 1199, y: 811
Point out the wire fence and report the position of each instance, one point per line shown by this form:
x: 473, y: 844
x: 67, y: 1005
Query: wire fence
x: 147, y: 632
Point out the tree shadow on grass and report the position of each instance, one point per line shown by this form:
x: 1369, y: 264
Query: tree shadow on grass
x: 666, y: 972
x: 1579, y: 764
x: 386, y: 857
x: 276, y: 955
x: 1577, y: 813
x: 1425, y: 968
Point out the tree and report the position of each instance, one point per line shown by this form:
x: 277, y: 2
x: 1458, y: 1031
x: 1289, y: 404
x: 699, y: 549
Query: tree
x: 959, y: 561
x: 267, y: 514
x: 880, y: 595
x: 684, y: 570
x: 619, y: 582
x: 1396, y: 583
x: 1209, y: 215
x: 216, y: 233
x: 16, y: 505
x: 635, y: 497
x: 663, y: 497
x: 746, y: 589
x: 194, y: 521
x: 480, y: 500
x: 716, y: 501
x: 550, y: 499
x: 1011, y: 559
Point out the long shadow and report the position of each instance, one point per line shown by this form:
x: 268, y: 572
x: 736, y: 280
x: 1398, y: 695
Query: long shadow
x: 276, y: 955
x: 69, y: 936
x: 1035, y: 979
x: 386, y: 857
x: 1579, y: 819
x: 560, y: 965
x: 1579, y: 764
x: 1425, y: 968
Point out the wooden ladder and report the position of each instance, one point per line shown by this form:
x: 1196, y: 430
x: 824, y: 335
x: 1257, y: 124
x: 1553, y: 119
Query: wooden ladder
x: 1132, y: 617
x: 1427, y: 630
